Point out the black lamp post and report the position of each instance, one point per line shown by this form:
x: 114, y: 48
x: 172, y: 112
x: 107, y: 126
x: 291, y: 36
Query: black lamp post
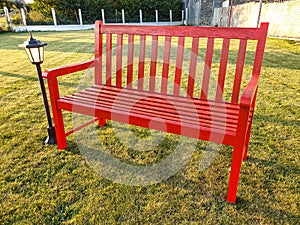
x: 35, y: 51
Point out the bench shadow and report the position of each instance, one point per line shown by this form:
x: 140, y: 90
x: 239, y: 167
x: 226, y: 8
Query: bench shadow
x: 218, y: 199
x: 211, y: 198
x: 73, y: 147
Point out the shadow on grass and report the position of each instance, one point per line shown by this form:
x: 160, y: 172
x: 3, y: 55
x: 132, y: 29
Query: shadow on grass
x: 277, y: 120
x: 273, y: 171
x: 65, y: 44
x: 211, y: 197
x: 19, y: 76
x: 73, y: 147
x: 29, y: 78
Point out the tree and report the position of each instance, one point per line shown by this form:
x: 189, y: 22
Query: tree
x: 44, y: 6
x: 11, y: 4
x: 66, y: 10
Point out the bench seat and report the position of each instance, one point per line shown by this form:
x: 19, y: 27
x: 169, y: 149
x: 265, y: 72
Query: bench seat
x: 201, y: 119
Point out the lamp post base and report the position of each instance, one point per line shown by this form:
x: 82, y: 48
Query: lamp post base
x: 51, y: 139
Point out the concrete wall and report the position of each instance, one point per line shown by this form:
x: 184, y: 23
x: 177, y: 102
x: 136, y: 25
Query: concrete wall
x: 53, y: 28
x: 85, y: 27
x: 284, y: 18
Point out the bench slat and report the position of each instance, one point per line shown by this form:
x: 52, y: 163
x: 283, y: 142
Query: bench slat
x: 166, y: 62
x: 141, y: 69
x: 98, y: 56
x: 108, y: 58
x: 119, y: 55
x: 222, y: 69
x: 192, y: 31
x: 192, y: 70
x: 239, y: 71
x: 178, y: 70
x: 153, y: 65
x: 207, y: 68
x: 130, y: 56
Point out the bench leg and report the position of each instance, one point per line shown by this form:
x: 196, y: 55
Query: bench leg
x: 237, y: 155
x: 59, y: 128
x: 101, y: 122
x: 245, y: 155
x: 249, y: 130
x: 234, y: 173
x: 57, y: 114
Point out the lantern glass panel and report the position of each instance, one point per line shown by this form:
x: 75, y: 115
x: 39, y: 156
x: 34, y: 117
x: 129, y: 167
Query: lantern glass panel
x: 36, y: 55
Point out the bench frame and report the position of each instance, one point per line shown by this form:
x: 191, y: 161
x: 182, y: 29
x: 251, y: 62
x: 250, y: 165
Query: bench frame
x: 245, y: 104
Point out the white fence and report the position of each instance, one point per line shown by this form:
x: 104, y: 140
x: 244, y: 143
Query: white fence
x: 284, y: 19
x: 81, y: 26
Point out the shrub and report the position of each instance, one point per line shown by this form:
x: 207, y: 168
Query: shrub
x: 66, y: 11
x: 37, y: 18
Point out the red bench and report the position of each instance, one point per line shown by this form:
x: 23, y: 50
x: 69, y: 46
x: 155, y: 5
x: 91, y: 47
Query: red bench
x: 150, y: 87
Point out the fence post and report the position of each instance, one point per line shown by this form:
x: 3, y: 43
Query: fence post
x: 182, y: 16
x: 171, y: 17
x: 229, y: 13
x: 141, y: 16
x: 54, y: 16
x: 80, y: 17
x: 259, y: 13
x: 213, y: 11
x: 103, y: 17
x: 8, y: 18
x: 186, y: 16
x: 23, y: 17
x: 197, y: 17
x: 156, y: 16
x: 123, y: 16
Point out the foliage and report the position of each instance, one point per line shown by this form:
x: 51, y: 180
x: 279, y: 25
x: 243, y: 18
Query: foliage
x: 16, y: 18
x: 148, y: 7
x: 3, y: 24
x: 67, y: 11
x: 11, y: 4
x: 37, y: 18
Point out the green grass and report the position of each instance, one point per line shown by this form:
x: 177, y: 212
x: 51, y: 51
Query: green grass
x: 41, y: 185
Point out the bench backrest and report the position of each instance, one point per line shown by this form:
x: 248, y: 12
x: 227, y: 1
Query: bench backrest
x: 178, y: 60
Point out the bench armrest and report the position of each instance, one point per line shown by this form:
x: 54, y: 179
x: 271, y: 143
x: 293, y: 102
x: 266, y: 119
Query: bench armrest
x: 249, y: 92
x: 53, y: 73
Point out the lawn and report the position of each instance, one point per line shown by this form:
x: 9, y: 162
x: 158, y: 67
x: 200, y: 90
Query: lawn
x: 41, y: 185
